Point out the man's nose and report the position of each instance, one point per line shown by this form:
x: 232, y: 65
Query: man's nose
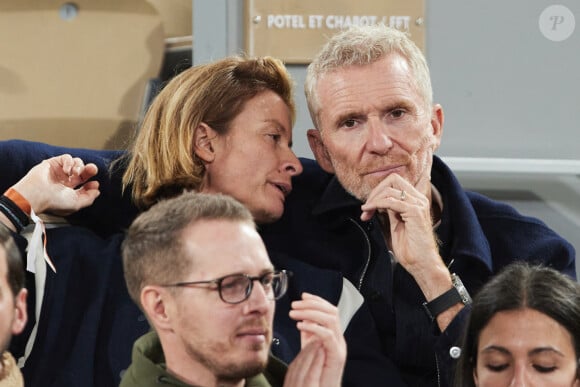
x: 378, y: 139
x: 259, y: 300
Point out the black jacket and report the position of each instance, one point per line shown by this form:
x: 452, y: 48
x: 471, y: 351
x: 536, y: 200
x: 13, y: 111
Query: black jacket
x: 88, y: 322
x: 321, y: 225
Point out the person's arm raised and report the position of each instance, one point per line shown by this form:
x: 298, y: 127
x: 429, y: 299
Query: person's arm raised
x: 59, y: 185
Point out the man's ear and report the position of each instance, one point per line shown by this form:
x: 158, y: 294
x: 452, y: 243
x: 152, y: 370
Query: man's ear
x: 437, y: 119
x: 20, y: 313
x: 319, y: 150
x: 154, y: 302
x: 202, y: 142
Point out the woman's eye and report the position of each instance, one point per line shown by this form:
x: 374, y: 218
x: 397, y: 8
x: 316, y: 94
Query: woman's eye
x: 275, y: 137
x: 544, y: 369
x: 497, y: 367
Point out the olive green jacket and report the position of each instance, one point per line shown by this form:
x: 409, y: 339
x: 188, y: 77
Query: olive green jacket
x: 148, y: 368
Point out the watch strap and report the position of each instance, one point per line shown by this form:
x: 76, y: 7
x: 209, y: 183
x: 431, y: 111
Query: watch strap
x: 440, y: 304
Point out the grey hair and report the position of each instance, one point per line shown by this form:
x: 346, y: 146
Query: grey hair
x: 364, y: 45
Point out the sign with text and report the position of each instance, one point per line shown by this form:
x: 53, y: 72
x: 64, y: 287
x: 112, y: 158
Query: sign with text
x: 294, y: 30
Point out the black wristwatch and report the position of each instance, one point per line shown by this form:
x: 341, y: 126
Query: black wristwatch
x: 457, y: 294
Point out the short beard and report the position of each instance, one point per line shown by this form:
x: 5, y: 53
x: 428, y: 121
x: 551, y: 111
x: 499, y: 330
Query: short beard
x: 229, y: 372
x: 237, y: 372
x: 354, y: 186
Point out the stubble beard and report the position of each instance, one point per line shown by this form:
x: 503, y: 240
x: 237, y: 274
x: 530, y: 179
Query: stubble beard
x: 229, y: 371
x: 353, y: 185
x: 354, y: 182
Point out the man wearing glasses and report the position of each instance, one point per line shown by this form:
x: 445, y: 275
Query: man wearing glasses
x: 200, y: 272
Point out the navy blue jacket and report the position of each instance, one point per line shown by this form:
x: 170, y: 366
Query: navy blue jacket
x: 110, y: 213
x: 321, y: 225
x: 88, y: 322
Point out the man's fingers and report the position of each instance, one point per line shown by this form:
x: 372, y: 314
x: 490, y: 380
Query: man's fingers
x: 306, y: 368
x: 315, y: 309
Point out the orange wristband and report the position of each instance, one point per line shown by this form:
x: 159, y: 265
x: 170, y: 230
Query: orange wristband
x: 19, y: 200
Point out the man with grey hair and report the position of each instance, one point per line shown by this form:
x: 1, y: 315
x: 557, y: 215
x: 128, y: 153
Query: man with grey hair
x: 382, y: 209
x: 197, y: 267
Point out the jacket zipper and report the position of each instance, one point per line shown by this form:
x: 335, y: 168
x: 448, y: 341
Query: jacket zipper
x: 438, y: 373
x: 360, y: 283
x: 368, y: 262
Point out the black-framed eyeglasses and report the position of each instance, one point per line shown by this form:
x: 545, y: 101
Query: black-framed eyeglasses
x: 236, y: 288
